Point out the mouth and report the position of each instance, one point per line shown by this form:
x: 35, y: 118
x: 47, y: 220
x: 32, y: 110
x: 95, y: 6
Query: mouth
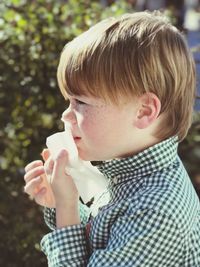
x: 76, y: 138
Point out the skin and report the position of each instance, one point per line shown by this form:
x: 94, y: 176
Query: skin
x: 101, y: 131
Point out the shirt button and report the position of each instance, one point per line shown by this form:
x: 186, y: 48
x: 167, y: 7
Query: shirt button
x: 115, y: 180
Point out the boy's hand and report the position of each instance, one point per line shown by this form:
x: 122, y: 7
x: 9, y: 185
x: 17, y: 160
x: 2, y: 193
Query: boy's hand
x: 36, y: 185
x: 51, y: 186
x: 64, y: 190
x: 62, y: 184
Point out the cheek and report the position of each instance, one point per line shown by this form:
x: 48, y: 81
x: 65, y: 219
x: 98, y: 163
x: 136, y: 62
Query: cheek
x: 91, y: 125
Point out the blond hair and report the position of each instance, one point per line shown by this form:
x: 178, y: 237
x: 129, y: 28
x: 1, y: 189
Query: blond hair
x: 131, y: 55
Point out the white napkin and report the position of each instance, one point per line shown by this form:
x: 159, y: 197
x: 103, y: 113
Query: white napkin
x: 89, y: 181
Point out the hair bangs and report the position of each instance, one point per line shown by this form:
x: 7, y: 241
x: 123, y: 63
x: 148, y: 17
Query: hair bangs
x: 89, y: 72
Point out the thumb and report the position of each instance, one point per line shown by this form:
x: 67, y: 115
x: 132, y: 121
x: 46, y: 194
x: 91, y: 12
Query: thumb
x: 60, y: 163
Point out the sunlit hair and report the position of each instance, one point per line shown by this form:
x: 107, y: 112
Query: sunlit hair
x: 131, y: 55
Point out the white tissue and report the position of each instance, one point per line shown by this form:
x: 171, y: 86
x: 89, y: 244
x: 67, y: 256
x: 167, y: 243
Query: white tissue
x: 61, y: 140
x: 89, y: 181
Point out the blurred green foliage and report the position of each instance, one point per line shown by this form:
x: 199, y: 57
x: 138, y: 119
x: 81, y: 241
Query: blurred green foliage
x: 32, y: 35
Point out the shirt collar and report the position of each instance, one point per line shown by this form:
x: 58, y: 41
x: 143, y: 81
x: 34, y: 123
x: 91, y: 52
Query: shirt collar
x: 149, y: 160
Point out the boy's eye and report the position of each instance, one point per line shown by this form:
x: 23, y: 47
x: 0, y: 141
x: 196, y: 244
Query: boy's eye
x: 79, y: 102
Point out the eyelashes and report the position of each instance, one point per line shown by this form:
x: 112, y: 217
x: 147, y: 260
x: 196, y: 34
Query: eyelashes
x: 75, y: 102
x: 80, y: 102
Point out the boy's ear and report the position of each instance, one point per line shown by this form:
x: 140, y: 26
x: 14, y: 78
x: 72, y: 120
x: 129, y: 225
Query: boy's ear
x: 148, y: 110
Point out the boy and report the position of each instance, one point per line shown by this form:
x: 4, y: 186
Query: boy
x: 130, y: 82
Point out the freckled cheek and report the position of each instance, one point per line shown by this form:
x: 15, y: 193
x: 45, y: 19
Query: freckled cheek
x: 83, y: 121
x: 90, y: 126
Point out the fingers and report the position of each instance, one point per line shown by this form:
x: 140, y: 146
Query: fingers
x: 36, y: 182
x: 39, y: 197
x: 33, y: 178
x: 33, y: 164
x: 32, y: 187
x: 60, y: 164
x: 48, y: 166
x: 33, y: 173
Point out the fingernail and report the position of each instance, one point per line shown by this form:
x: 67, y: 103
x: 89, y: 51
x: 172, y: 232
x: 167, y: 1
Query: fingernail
x: 61, y: 154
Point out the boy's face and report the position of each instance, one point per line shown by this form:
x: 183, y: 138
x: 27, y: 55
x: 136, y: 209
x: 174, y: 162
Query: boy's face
x: 101, y: 131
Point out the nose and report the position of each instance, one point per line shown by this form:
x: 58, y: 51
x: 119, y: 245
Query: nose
x: 69, y: 116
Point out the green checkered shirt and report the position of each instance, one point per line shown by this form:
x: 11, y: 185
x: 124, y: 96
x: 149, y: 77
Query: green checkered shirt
x: 152, y: 218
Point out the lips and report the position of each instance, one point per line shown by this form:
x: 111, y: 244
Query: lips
x: 75, y: 135
x: 76, y: 138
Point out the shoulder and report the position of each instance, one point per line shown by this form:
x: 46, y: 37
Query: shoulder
x: 173, y: 196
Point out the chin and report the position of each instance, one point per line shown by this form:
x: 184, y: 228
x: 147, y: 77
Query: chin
x: 90, y: 159
x: 87, y: 157
x: 94, y: 155
x: 84, y: 156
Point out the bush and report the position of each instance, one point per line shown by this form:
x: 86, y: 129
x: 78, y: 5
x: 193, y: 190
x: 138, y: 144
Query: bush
x: 33, y: 34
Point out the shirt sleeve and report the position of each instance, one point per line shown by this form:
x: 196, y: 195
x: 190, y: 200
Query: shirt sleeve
x: 66, y: 247
x: 144, y: 239
x: 50, y: 215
